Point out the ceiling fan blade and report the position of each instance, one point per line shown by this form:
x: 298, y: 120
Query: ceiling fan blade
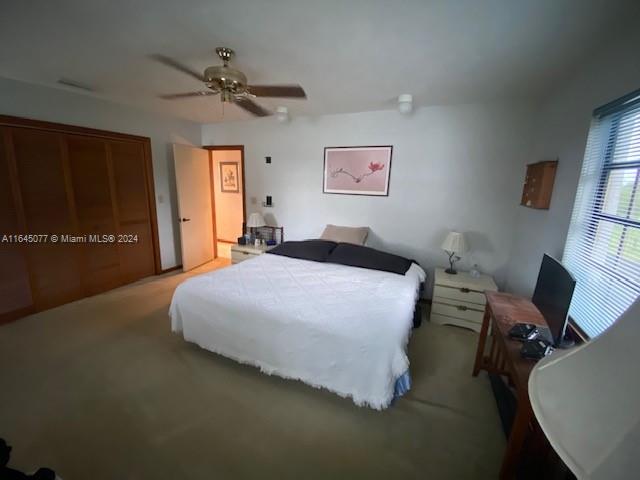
x: 170, y: 62
x: 251, y: 107
x: 175, y: 96
x: 277, y: 91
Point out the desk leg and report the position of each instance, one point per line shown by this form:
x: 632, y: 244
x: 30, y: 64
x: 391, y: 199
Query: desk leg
x: 482, y: 341
x: 517, y: 436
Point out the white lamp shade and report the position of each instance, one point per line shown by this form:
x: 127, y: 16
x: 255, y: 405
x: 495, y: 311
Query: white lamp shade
x: 587, y: 402
x: 454, y: 242
x: 256, y: 220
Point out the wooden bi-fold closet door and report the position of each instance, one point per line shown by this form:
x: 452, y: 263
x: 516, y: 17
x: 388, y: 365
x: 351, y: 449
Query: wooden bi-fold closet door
x: 89, y: 185
x: 15, y: 291
x: 95, y: 211
x: 41, y: 184
x: 133, y: 216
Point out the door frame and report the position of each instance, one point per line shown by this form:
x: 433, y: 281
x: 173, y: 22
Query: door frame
x: 11, y: 121
x: 240, y: 148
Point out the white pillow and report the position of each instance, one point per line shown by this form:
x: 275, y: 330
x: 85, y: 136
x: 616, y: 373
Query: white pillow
x: 355, y: 235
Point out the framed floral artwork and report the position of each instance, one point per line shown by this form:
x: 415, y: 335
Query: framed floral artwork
x: 357, y: 170
x: 229, y: 177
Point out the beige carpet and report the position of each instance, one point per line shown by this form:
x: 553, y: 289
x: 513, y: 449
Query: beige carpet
x: 100, y: 389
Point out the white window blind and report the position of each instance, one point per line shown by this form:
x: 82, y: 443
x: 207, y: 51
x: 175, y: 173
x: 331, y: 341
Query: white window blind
x: 603, y: 244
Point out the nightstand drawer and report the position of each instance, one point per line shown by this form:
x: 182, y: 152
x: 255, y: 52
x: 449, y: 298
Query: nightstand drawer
x: 462, y: 294
x: 239, y: 256
x: 460, y: 322
x: 467, y: 311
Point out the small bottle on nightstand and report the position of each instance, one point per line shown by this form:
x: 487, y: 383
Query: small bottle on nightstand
x: 475, y: 271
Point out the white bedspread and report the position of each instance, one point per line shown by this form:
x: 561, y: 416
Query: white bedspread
x: 342, y: 328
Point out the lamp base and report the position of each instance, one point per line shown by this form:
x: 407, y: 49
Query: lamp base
x: 452, y: 259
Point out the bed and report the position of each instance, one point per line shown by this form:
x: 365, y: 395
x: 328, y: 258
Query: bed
x: 332, y: 326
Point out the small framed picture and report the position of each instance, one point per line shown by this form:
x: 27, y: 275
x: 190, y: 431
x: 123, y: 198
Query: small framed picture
x: 229, y: 177
x: 357, y: 170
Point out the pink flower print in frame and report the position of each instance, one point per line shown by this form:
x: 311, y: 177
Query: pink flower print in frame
x: 357, y: 170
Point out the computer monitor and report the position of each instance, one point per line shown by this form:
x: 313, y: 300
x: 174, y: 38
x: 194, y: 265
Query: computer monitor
x: 552, y: 296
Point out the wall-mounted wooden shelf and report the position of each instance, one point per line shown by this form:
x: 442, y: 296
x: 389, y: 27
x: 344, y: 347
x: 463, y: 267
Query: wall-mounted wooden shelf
x: 538, y: 184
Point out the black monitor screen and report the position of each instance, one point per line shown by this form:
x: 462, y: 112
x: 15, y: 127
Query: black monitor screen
x: 552, y: 295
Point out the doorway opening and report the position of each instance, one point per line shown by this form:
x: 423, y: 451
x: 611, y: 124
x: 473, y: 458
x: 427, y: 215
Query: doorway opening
x: 227, y: 196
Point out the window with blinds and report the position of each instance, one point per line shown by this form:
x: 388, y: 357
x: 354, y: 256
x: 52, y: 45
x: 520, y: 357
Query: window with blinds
x: 603, y: 244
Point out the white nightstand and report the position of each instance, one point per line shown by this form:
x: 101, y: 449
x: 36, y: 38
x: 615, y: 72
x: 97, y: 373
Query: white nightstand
x: 459, y: 299
x: 240, y: 253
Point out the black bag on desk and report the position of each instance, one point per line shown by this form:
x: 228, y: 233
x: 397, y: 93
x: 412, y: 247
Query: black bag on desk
x: 536, y: 349
x: 523, y: 331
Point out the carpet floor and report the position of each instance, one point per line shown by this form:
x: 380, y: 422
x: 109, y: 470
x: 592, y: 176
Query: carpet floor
x: 101, y: 389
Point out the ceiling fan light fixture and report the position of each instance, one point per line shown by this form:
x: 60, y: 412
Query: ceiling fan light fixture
x: 232, y: 86
x: 225, y: 78
x: 405, y: 103
x: 282, y: 114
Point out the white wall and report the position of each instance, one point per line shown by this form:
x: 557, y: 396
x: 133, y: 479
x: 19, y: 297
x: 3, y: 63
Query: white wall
x: 452, y: 168
x: 42, y: 103
x: 562, y: 128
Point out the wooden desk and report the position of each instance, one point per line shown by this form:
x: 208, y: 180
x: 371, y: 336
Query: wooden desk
x: 503, y: 310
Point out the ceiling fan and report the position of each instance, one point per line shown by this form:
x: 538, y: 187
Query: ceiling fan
x: 231, y: 84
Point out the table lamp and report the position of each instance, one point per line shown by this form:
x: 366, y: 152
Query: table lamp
x: 586, y: 402
x: 455, y: 246
x: 256, y: 220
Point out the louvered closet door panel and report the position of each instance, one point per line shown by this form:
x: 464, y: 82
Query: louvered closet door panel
x: 15, y: 291
x: 41, y: 180
x: 94, y: 207
x: 130, y: 186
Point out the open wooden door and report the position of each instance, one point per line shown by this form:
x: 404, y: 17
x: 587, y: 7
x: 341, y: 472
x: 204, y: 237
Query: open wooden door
x: 194, y: 205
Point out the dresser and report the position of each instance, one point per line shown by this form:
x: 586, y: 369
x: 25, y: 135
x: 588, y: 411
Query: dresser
x: 240, y: 253
x: 459, y: 299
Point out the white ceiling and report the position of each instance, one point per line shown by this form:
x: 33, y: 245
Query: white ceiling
x: 349, y: 55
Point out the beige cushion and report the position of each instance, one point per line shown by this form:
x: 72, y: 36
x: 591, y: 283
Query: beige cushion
x: 355, y: 235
